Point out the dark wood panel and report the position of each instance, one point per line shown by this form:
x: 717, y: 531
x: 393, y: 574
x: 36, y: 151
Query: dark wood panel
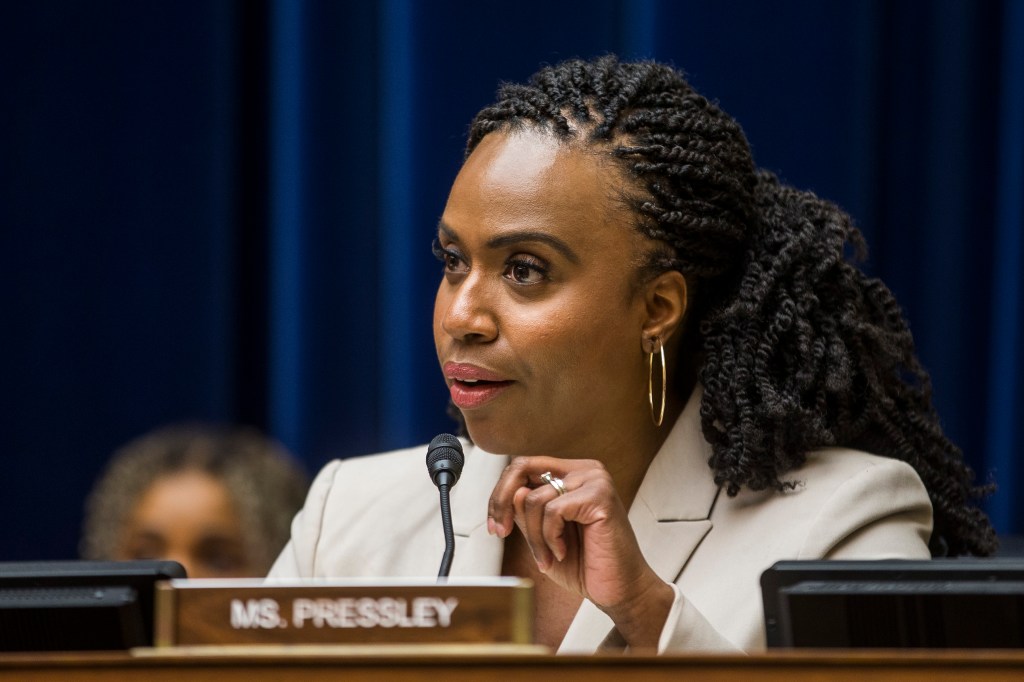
x: 500, y: 664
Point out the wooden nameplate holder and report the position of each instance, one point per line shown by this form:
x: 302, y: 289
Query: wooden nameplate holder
x: 323, y: 612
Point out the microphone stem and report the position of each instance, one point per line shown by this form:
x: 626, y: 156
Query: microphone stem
x: 449, y: 534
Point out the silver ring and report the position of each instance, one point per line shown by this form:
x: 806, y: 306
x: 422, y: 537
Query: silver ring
x: 554, y: 481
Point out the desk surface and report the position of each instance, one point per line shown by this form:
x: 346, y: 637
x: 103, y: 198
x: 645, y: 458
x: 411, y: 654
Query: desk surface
x: 507, y: 665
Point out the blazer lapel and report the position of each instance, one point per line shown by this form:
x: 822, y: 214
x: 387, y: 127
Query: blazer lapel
x: 669, y: 516
x: 477, y: 553
x: 672, y: 507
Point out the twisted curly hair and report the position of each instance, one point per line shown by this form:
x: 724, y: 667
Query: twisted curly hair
x: 798, y: 349
x: 265, y: 485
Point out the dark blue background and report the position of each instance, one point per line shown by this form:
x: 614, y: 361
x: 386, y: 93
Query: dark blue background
x: 223, y: 210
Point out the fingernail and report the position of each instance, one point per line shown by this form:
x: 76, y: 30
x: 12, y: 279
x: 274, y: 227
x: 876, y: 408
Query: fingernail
x: 542, y: 567
x: 499, y: 529
x: 490, y: 526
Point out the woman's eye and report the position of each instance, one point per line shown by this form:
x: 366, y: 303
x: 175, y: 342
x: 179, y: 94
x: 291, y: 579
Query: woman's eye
x: 449, y: 257
x: 525, y: 271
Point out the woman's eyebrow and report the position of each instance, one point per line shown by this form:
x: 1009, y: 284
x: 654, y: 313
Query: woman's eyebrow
x: 514, y: 237
x: 520, y: 236
x: 447, y: 232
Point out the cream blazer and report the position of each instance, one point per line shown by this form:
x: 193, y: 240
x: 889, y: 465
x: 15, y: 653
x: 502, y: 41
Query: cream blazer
x: 378, y: 516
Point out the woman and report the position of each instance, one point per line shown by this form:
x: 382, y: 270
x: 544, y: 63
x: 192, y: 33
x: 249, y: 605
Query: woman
x: 216, y: 500
x: 609, y: 222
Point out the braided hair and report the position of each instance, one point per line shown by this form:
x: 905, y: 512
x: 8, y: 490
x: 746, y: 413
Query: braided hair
x: 798, y: 349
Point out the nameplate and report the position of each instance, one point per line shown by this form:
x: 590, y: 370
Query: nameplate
x: 220, y: 612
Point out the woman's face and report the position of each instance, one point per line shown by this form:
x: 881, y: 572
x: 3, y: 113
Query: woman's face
x: 538, y: 319
x: 188, y: 517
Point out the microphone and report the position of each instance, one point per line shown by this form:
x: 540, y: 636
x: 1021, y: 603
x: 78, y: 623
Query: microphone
x: 444, y: 464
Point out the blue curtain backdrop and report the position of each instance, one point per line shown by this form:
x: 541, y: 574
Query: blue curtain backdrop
x: 222, y: 210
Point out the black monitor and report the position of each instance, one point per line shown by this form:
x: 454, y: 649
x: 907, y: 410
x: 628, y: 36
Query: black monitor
x: 79, y: 605
x: 938, y: 603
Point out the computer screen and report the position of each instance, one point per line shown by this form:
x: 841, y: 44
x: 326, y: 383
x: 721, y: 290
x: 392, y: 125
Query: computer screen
x: 938, y: 603
x: 79, y: 605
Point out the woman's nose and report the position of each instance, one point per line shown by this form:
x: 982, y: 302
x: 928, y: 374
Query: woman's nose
x: 469, y: 313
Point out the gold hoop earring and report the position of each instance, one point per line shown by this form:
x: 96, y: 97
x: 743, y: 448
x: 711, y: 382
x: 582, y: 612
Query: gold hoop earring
x: 650, y: 384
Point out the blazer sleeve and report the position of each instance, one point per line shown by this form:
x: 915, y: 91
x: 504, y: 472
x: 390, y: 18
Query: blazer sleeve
x: 880, y: 512
x: 686, y: 629
x: 298, y: 558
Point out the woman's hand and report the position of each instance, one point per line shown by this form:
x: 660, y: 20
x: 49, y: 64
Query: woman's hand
x: 582, y: 540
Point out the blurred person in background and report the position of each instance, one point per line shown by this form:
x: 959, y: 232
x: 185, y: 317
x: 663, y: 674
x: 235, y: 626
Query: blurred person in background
x: 218, y: 500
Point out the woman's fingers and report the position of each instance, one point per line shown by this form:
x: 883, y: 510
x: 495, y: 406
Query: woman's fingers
x: 544, y: 513
x: 552, y: 529
x: 524, y: 472
x: 581, y: 538
x: 529, y: 507
x: 539, y: 516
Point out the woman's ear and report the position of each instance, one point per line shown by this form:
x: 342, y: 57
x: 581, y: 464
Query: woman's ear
x: 665, y: 300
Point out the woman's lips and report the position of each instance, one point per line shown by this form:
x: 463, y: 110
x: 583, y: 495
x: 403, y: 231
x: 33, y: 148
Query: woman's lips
x: 467, y: 396
x: 472, y: 385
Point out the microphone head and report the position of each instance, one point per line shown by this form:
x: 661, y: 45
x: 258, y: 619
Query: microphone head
x: 445, y: 459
